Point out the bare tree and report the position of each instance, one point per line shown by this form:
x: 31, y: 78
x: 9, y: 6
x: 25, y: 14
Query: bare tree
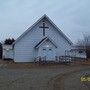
x: 84, y: 44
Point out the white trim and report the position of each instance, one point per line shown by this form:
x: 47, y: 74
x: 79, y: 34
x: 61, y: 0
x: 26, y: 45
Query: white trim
x: 45, y: 40
x: 44, y: 16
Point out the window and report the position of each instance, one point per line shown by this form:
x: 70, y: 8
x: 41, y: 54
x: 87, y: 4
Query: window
x: 44, y: 49
x: 80, y: 51
x: 50, y: 49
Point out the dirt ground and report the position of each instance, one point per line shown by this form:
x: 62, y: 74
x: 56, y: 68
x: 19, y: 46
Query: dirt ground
x: 29, y: 76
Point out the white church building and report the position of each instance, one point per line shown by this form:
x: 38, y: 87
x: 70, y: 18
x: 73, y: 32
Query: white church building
x: 42, y: 39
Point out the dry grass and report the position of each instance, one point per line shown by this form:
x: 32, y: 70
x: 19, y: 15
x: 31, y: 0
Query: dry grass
x: 12, y: 64
x: 32, y: 76
x: 86, y: 62
x: 29, y: 65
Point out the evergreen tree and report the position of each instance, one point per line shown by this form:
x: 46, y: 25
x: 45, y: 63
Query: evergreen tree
x: 9, y: 41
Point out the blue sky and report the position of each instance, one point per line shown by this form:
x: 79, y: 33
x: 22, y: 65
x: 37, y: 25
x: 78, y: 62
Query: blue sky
x: 71, y: 16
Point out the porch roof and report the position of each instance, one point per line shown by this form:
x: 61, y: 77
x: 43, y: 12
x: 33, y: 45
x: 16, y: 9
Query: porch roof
x: 43, y: 40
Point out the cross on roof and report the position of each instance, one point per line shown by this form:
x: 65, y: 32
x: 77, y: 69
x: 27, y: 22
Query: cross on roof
x: 44, y: 28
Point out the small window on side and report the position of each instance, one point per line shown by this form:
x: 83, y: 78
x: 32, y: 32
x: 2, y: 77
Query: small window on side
x: 80, y: 51
x: 44, y: 49
x: 50, y: 49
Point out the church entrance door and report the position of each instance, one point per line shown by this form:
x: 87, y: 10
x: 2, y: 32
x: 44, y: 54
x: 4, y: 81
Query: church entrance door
x: 48, y: 52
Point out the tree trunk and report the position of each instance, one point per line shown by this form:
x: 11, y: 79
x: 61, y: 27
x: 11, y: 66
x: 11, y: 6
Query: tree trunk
x: 88, y: 53
x: 1, y: 51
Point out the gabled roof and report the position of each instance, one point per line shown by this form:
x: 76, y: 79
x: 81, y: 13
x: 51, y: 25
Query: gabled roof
x: 43, y: 40
x: 44, y: 16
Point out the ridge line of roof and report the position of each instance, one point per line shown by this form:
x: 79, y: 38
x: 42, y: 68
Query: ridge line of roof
x: 25, y: 32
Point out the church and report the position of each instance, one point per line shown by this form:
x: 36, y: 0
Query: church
x: 42, y: 39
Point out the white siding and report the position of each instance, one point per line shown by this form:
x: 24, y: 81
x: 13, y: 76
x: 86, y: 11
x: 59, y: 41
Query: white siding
x: 24, y: 49
x: 7, y: 51
x: 47, y: 53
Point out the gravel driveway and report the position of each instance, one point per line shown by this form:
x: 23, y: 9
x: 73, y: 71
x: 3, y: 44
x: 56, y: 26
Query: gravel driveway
x: 33, y: 79
x: 72, y: 81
